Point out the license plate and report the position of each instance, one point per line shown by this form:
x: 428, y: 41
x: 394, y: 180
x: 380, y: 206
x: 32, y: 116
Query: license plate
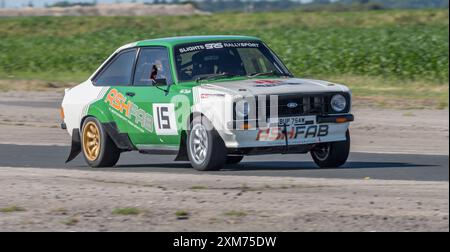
x: 295, y: 121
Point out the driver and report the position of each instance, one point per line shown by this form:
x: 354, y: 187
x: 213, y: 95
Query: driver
x: 157, y: 70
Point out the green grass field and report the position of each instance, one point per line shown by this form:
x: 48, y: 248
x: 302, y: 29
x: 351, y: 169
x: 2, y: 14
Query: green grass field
x: 394, y: 54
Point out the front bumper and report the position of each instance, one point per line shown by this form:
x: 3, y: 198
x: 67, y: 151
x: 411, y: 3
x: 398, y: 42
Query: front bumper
x: 336, y: 118
x: 290, y: 149
x: 295, y: 138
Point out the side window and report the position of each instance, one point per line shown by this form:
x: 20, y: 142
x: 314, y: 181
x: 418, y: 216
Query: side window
x: 152, y: 65
x: 119, y: 71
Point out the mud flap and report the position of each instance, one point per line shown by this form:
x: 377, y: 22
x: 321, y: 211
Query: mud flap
x: 121, y: 140
x: 76, y: 145
x: 182, y: 153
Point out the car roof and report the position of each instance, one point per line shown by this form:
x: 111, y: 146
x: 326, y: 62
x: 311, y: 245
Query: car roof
x: 174, y: 41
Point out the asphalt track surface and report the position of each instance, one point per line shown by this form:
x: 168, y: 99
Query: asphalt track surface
x: 359, y: 166
x: 35, y: 104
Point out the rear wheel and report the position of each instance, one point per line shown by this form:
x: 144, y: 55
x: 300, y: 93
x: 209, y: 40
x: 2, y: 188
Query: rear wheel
x: 332, y: 155
x: 98, y: 148
x: 206, y: 149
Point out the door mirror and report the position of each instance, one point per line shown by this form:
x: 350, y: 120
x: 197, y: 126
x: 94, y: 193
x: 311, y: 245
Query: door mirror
x: 159, y: 82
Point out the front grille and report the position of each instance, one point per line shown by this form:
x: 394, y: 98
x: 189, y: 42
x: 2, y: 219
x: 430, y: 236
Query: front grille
x: 292, y: 105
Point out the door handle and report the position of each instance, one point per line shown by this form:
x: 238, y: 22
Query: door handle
x: 130, y: 94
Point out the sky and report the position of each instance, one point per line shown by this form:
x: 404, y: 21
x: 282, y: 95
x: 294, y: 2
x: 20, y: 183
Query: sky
x: 41, y: 3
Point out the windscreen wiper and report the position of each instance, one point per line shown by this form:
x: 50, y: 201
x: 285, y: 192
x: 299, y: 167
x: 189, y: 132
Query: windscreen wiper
x: 215, y: 76
x: 271, y: 73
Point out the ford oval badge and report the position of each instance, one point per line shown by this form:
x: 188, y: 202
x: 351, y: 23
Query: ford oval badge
x: 292, y: 105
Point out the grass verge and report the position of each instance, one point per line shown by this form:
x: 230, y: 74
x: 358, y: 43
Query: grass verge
x: 12, y: 209
x: 127, y: 211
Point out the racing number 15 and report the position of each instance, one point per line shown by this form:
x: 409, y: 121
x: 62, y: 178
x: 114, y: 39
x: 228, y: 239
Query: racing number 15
x: 163, y: 119
x: 165, y: 123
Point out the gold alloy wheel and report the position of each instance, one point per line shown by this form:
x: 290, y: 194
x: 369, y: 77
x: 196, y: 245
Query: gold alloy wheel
x: 91, y: 141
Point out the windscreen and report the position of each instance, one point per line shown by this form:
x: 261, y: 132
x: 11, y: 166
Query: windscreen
x: 198, y: 60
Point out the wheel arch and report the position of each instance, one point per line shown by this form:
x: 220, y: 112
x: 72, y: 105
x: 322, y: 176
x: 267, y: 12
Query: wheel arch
x: 121, y: 140
x: 182, y: 152
x: 97, y: 112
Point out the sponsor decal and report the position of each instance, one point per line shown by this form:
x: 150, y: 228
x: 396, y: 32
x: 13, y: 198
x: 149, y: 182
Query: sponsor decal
x: 119, y: 103
x: 214, y: 46
x: 206, y: 96
x: 273, y: 83
x: 268, y: 83
x: 210, y: 46
x: 293, y: 133
x: 241, y: 45
x: 191, y: 48
x: 165, y: 122
x: 185, y: 91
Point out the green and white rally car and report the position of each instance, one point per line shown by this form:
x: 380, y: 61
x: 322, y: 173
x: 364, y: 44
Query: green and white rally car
x: 210, y: 100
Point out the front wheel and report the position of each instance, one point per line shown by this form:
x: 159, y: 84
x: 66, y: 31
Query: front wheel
x: 98, y: 148
x: 206, y: 149
x: 332, y: 155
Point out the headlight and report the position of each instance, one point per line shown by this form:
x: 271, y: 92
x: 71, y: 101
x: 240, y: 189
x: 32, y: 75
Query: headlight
x: 242, y: 109
x: 338, y: 103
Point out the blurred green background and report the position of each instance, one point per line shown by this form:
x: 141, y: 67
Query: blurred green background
x: 383, y: 55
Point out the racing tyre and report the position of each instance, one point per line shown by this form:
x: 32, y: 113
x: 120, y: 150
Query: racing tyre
x: 332, y: 155
x: 98, y: 148
x: 206, y: 149
x: 234, y: 159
